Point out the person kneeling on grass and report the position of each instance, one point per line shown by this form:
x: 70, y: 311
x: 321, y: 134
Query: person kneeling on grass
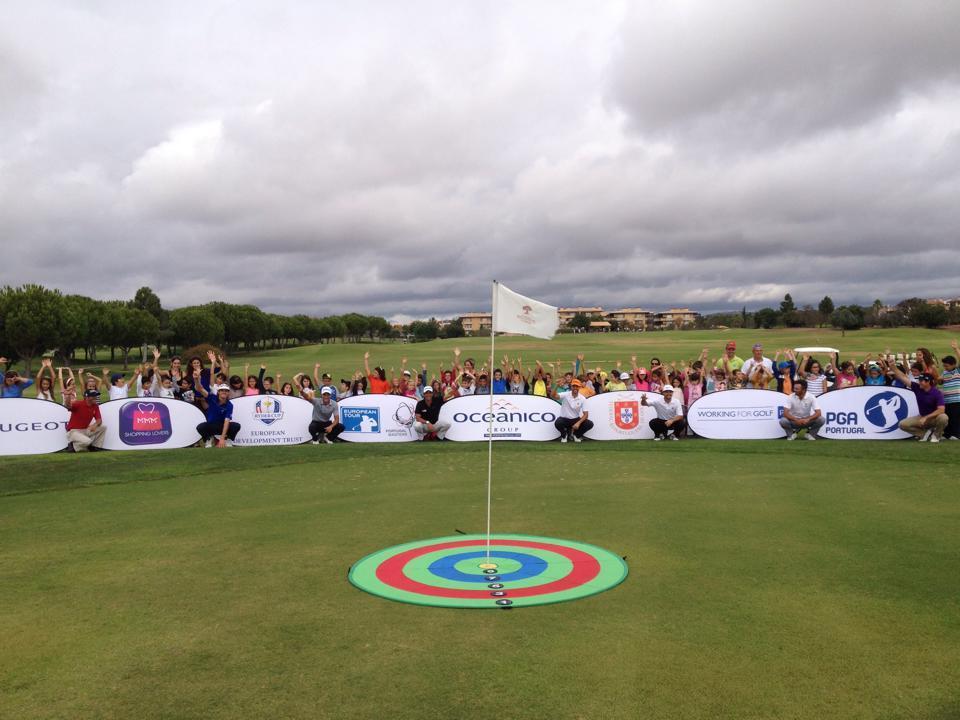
x: 85, y: 428
x: 427, y: 416
x: 573, y: 418
x: 325, y: 422
x: 219, y: 416
x: 801, y: 413
x: 932, y: 420
x: 669, y: 421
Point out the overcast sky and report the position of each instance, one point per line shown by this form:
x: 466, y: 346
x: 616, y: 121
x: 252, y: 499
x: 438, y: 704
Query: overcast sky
x: 394, y: 157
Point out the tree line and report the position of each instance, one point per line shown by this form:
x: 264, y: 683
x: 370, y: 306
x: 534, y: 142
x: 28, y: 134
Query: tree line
x: 35, y: 320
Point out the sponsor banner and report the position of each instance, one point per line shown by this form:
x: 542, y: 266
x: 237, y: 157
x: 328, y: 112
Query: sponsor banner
x: 378, y: 418
x: 515, y: 417
x: 620, y: 416
x: 272, y: 420
x: 747, y: 414
x: 29, y: 426
x: 150, y: 424
x: 866, y: 413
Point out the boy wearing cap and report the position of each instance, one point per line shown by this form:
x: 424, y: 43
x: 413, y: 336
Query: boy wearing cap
x: 117, y: 388
x: 573, y: 419
x: 85, y: 428
x: 932, y: 420
x: 219, y: 415
x: 325, y: 423
x: 669, y: 420
x: 427, y: 416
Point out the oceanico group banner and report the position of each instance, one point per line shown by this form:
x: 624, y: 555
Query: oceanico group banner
x: 272, y: 420
x: 620, y: 416
x: 378, y: 418
x: 515, y: 417
x: 866, y: 413
x: 149, y: 424
x: 738, y: 415
x: 30, y: 427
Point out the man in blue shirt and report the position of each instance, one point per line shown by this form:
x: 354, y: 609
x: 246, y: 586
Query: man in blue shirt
x: 219, y: 417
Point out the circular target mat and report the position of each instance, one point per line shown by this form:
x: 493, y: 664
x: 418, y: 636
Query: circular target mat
x: 521, y: 570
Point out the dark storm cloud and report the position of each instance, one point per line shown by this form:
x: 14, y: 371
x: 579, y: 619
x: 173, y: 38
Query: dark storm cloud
x: 395, y: 159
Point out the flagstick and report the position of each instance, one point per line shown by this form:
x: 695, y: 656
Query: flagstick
x: 493, y: 335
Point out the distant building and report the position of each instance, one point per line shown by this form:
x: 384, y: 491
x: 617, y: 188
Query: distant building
x: 631, y: 318
x: 476, y: 321
x: 566, y: 314
x: 675, y: 319
x: 599, y: 326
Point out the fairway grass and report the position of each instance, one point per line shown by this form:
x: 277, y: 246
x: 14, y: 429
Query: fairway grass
x: 767, y: 580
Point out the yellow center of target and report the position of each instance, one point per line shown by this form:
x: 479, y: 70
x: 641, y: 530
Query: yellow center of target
x: 487, y: 566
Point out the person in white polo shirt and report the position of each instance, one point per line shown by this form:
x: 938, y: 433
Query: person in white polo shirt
x: 573, y: 419
x: 801, y: 413
x: 669, y: 421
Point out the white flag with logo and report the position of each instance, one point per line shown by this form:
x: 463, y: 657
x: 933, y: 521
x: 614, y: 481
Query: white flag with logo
x: 515, y: 313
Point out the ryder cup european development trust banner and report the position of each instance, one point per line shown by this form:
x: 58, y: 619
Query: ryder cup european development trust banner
x: 150, y: 424
x: 620, y: 416
x: 866, y: 413
x: 738, y: 415
x: 272, y: 420
x: 515, y: 417
x: 378, y: 418
x: 29, y: 426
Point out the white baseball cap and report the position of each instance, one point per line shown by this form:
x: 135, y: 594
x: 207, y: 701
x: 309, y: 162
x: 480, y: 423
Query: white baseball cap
x: 668, y: 388
x: 624, y: 376
x: 427, y: 388
x: 326, y: 390
x: 218, y: 388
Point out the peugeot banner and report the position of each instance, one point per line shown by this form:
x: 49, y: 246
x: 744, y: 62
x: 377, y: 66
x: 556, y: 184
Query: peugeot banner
x: 620, y: 416
x: 738, y: 415
x: 272, y: 420
x: 150, y: 424
x: 30, y: 427
x: 866, y: 413
x: 377, y: 418
x: 515, y: 417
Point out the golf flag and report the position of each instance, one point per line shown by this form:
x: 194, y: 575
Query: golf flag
x: 515, y: 313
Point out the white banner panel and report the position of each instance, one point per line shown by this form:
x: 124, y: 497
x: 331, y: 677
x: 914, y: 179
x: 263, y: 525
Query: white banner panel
x: 620, y: 416
x: 30, y: 427
x: 866, y: 413
x: 272, y: 420
x: 738, y: 415
x: 515, y: 417
x: 378, y: 418
x: 150, y: 424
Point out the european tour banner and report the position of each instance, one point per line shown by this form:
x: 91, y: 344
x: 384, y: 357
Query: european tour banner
x: 30, y: 427
x: 377, y: 418
x: 620, y: 416
x: 515, y: 417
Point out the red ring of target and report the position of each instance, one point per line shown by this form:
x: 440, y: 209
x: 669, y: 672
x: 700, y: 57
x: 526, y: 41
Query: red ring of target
x: 585, y: 569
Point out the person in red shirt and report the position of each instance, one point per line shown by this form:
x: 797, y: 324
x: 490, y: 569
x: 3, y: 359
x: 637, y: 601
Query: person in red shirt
x: 377, y: 380
x: 85, y: 429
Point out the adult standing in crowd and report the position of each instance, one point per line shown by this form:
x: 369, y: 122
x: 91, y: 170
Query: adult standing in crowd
x: 801, y: 413
x: 427, y: 416
x: 758, y: 369
x: 932, y: 420
x: 669, y: 420
x: 325, y: 424
x: 729, y: 360
x: 377, y: 382
x: 573, y: 419
x: 219, y: 415
x: 85, y: 429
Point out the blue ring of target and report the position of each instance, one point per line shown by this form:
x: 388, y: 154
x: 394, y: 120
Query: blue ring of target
x: 530, y: 566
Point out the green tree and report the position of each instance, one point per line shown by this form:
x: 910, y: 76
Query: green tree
x: 847, y: 317
x: 146, y: 299
x: 337, y: 327
x: 196, y: 325
x: 135, y: 328
x: 76, y: 324
x: 765, y: 318
x: 423, y: 330
x: 454, y: 329
x: 826, y: 308
x: 33, y: 316
x: 579, y: 321
x: 931, y: 316
x: 355, y: 324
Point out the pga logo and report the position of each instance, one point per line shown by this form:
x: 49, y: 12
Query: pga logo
x: 885, y: 411
x: 360, y: 419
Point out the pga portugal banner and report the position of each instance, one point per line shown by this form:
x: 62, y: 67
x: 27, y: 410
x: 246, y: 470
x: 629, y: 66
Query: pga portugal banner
x: 31, y: 427
x: 620, y: 416
x: 515, y: 417
x: 272, y: 420
x: 747, y: 414
x: 149, y: 424
x: 866, y: 413
x: 378, y: 418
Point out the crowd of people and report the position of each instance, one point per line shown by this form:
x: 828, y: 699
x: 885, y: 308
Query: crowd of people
x: 211, y: 386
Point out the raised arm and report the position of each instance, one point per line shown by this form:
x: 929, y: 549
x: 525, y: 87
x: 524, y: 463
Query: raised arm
x: 366, y: 362
x: 197, y: 385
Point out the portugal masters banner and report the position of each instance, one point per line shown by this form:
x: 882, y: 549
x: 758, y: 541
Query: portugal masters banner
x: 272, y: 420
x: 150, y: 424
x: 620, y: 416
x: 377, y: 418
x: 866, y: 413
x: 738, y: 415
x: 30, y: 427
x: 515, y: 417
